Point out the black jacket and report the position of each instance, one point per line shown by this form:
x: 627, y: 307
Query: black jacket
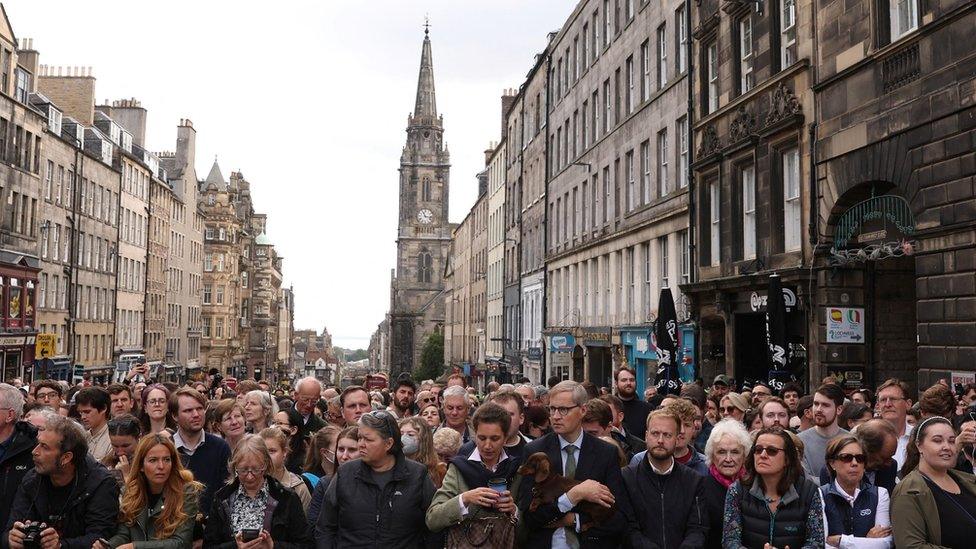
x: 15, y: 464
x: 284, y: 518
x: 714, y: 493
x: 629, y: 443
x: 597, y: 460
x: 90, y: 512
x: 635, y: 416
x: 357, y: 514
x: 668, y: 510
x: 296, y: 460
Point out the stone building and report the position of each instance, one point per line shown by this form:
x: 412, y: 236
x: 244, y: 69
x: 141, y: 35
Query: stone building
x: 93, y: 236
x: 184, y: 278
x: 525, y: 221
x: 895, y: 222
x: 21, y: 129
x: 286, y: 330
x: 222, y: 342
x: 262, y: 362
x: 617, y: 200
x: 495, y: 276
x: 423, y: 230
x: 752, y: 161
x: 160, y: 208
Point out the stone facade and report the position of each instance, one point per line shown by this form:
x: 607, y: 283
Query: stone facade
x: 897, y: 124
x: 423, y: 233
x: 496, y: 255
x: 464, y: 338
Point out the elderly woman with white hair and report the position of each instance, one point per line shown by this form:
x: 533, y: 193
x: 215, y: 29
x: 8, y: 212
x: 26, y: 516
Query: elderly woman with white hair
x: 725, y: 454
x: 259, y: 410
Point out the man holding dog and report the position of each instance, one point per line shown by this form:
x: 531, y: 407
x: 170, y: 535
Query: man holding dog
x: 580, y: 456
x: 665, y: 496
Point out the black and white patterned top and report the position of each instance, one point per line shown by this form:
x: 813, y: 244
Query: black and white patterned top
x: 248, y: 513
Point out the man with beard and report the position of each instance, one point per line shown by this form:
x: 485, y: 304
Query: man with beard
x: 206, y: 457
x: 72, y: 497
x: 774, y: 413
x: 17, y: 438
x: 635, y: 409
x: 827, y: 404
x: 404, y: 395
x: 665, y: 496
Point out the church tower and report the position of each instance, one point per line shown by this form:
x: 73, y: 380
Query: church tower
x: 423, y: 233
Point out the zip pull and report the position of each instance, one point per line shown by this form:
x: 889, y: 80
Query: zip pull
x: 377, y: 518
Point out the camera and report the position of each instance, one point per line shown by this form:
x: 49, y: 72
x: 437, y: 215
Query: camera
x: 32, y: 535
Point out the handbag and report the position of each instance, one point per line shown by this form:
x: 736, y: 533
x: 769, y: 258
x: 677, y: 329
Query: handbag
x: 488, y: 530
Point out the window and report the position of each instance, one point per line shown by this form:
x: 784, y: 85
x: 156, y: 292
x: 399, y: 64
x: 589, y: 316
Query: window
x: 646, y: 255
x: 219, y: 328
x: 746, y: 78
x: 748, y: 179
x: 662, y: 57
x: 607, y: 205
x: 662, y: 163
x: 208, y: 262
x: 606, y: 23
x: 681, y: 56
x: 595, y: 37
x: 645, y: 53
x: 244, y: 280
x: 632, y: 194
x: 584, y: 53
x: 904, y: 17
x: 584, y: 127
x: 662, y: 246
x: 787, y: 30
x: 207, y: 294
x: 219, y: 295
x: 790, y: 162
x: 596, y: 116
x: 682, y: 152
x: 631, y: 96
x: 712, y: 67
x: 23, y: 85
x: 715, y: 218
x: 209, y: 233
x: 645, y: 167
x: 628, y: 10
x: 608, y: 100
x: 424, y: 267
x: 685, y: 254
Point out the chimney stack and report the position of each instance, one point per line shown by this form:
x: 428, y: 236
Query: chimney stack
x: 508, y: 99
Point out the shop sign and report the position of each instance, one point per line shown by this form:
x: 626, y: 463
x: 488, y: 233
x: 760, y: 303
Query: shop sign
x: 845, y: 325
x: 757, y: 301
x: 12, y: 341
x: 561, y: 343
x: 595, y: 337
x: 963, y: 378
x: 535, y: 353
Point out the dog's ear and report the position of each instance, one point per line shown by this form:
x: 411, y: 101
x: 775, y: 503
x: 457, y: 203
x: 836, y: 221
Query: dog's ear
x: 541, y: 462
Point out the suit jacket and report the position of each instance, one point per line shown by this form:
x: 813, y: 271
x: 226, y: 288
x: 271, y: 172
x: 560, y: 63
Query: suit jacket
x: 597, y: 460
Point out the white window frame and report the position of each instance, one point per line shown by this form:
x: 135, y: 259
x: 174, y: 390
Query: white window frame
x: 664, y: 182
x: 747, y: 177
x: 632, y: 194
x: 746, y: 78
x: 787, y: 30
x: 662, y: 57
x: 685, y: 253
x: 631, y: 95
x: 646, y: 70
x: 792, y: 214
x: 682, y: 127
x: 715, y: 220
x: 712, y: 65
x: 646, y: 170
x: 903, y: 16
x: 663, y: 256
x: 682, y: 53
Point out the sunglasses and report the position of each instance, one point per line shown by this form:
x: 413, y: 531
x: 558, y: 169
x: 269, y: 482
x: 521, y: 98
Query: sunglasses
x: 770, y: 451
x: 727, y: 409
x: 847, y: 458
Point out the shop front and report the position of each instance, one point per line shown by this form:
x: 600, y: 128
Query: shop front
x: 640, y: 354
x: 562, y: 348
x: 18, y: 279
x: 595, y: 343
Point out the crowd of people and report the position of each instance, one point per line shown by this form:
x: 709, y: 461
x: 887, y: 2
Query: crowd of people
x: 436, y: 464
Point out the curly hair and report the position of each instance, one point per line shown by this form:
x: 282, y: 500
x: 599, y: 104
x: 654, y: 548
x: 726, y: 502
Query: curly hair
x: 135, y: 495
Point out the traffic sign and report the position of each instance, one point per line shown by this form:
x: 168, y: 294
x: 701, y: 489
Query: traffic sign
x: 45, y: 345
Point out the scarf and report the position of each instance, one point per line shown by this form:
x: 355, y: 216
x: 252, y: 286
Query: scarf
x: 722, y: 479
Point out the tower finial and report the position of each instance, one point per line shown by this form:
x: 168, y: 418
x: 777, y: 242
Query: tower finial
x: 426, y: 25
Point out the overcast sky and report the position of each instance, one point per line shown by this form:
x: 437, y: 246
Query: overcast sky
x: 309, y: 99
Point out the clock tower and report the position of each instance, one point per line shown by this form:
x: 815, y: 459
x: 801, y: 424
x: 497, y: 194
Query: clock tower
x: 423, y: 233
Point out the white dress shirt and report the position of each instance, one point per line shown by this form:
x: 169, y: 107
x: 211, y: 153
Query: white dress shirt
x: 882, y: 517
x: 564, y: 505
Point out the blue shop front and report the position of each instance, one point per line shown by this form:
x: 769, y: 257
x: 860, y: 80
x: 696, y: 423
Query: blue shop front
x: 640, y: 354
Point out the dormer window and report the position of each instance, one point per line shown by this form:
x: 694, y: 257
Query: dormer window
x: 211, y: 200
x: 54, y: 120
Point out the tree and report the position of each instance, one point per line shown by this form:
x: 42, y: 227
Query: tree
x: 431, y: 359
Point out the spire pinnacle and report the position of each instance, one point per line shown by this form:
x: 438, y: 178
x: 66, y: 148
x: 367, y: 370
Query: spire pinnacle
x: 426, y: 103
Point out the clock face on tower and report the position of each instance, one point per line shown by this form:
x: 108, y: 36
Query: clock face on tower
x: 425, y: 216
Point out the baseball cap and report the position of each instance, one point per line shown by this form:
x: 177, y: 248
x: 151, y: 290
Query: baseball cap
x: 721, y: 379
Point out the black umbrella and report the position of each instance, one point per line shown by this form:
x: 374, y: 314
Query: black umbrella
x: 778, y: 347
x: 667, y: 381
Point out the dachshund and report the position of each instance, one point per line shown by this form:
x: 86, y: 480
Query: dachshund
x: 548, y: 487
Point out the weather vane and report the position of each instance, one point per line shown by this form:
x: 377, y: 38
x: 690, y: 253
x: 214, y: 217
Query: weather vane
x: 426, y: 25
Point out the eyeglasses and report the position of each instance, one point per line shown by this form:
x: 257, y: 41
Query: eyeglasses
x: 890, y: 400
x: 561, y: 410
x: 156, y: 401
x: 770, y: 451
x: 251, y: 472
x: 431, y: 399
x: 46, y: 395
x: 847, y: 458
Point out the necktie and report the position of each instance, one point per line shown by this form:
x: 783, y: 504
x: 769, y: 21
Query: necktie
x: 572, y: 540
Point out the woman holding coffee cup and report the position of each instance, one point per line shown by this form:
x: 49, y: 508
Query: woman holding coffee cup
x: 478, y: 485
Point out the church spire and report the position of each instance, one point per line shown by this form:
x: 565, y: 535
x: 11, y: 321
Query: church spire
x: 426, y: 102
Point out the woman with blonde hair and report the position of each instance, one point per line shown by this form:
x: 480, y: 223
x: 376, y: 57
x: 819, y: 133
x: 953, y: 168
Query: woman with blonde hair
x: 277, y: 443
x: 160, y: 499
x: 256, y: 502
x: 418, y: 445
x: 259, y: 410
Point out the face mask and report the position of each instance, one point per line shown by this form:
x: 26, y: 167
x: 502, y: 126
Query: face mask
x: 410, y: 444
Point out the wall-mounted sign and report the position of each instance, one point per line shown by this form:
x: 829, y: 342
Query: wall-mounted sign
x: 641, y: 344
x: 757, y: 301
x: 561, y: 343
x: 845, y: 325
